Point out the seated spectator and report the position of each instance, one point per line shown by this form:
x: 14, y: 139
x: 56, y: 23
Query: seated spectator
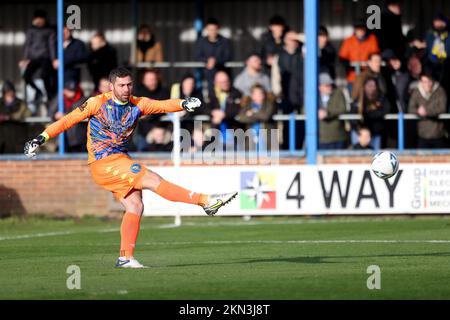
x: 159, y: 140
x: 102, y: 58
x: 332, y: 103
x: 372, y: 106
x: 75, y: 54
x: 257, y: 110
x: 428, y: 101
x: 373, y: 71
x: 357, y: 48
x: 251, y: 75
x: 75, y: 137
x: 13, y: 111
x: 364, y: 139
x: 272, y: 41
x: 224, y: 103
x: 213, y: 49
x: 327, y: 53
x: 148, y: 49
x: 39, y: 62
x: 437, y: 52
x: 151, y: 87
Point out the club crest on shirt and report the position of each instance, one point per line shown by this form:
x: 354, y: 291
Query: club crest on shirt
x: 135, y: 168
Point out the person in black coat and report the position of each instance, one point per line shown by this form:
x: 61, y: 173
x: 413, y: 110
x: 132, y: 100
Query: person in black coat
x: 327, y: 54
x: 102, y: 58
x: 271, y: 43
x: 75, y: 54
x: 213, y: 49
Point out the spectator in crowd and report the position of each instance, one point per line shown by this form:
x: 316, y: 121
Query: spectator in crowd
x: 364, y: 139
x: 159, y: 139
x: 397, y: 82
x: 148, y: 49
x: 437, y: 52
x: 182, y: 90
x: 256, y: 112
x: 428, y: 101
x: 327, y: 53
x: 13, y: 111
x: 213, y: 49
x: 416, y: 43
x: 75, y: 54
x: 414, y: 67
x: 224, y: 103
x: 272, y: 41
x: 373, y: 71
x: 372, y: 106
x: 357, y: 49
x: 332, y: 103
x: 287, y: 84
x: 102, y: 58
x: 39, y: 61
x: 75, y: 137
x: 251, y: 75
x: 103, y: 86
x: 151, y: 87
x: 390, y: 34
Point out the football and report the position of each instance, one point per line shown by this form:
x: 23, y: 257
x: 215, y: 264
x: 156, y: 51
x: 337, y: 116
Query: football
x: 385, y: 164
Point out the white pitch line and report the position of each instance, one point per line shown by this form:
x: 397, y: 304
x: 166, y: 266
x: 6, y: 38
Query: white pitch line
x: 36, y: 235
x: 293, y: 242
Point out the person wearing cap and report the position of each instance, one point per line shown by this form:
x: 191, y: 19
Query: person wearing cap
x: 75, y: 137
x: 13, y: 112
x: 357, y: 48
x: 332, y: 104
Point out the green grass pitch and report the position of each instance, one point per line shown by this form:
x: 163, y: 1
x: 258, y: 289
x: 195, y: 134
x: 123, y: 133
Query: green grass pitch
x: 229, y: 258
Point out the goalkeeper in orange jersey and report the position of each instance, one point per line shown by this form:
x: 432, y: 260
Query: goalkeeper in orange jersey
x: 112, y: 119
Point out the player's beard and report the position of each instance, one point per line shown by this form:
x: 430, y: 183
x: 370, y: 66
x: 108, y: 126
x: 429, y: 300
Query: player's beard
x: 122, y: 98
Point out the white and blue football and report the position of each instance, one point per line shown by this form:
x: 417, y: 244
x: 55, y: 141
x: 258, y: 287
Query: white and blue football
x: 385, y: 164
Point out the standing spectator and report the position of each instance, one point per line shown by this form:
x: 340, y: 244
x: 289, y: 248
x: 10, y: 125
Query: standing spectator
x: 437, y: 52
x: 372, y: 106
x: 414, y: 66
x: 102, y: 58
x: 75, y: 137
x: 257, y: 110
x: 357, y: 49
x: 151, y: 87
x: 287, y: 84
x: 75, y: 54
x: 397, y: 80
x: 213, y: 49
x: 224, y: 103
x: 272, y: 41
x: 390, y: 35
x: 39, y: 61
x: 332, y: 103
x: 327, y: 53
x: 428, y: 101
x: 373, y: 71
x: 148, y: 49
x: 13, y: 111
x: 251, y: 75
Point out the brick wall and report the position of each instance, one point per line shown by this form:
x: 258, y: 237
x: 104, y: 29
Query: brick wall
x: 65, y: 187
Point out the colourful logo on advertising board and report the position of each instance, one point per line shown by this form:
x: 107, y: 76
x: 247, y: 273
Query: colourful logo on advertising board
x: 258, y: 190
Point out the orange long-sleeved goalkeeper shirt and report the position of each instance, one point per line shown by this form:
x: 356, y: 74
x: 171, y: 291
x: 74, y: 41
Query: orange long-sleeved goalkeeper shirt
x: 111, y: 123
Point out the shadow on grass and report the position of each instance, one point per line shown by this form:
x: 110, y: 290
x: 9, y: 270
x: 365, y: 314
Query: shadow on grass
x: 313, y: 259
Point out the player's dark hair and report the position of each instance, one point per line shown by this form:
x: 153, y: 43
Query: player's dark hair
x: 212, y: 21
x: 119, y: 72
